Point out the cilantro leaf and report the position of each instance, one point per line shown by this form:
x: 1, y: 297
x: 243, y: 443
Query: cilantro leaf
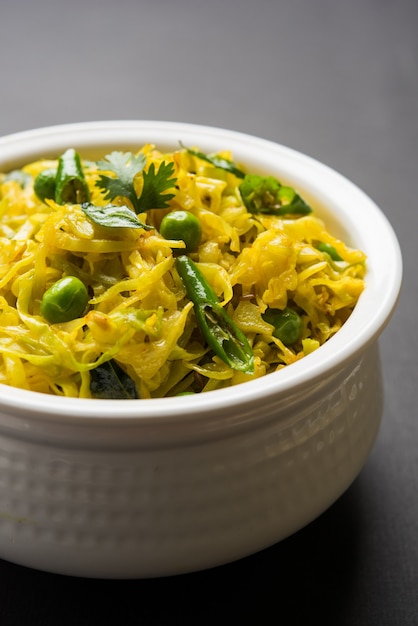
x: 155, y: 183
x: 125, y: 166
x: 216, y: 161
x: 113, y: 216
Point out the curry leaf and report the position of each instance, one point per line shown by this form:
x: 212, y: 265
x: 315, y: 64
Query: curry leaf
x: 113, y: 216
x: 216, y: 161
x: 110, y: 382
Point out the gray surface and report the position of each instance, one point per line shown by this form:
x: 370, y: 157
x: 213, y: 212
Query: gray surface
x: 339, y: 81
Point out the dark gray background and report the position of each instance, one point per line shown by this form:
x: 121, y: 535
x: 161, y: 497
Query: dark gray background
x: 337, y: 80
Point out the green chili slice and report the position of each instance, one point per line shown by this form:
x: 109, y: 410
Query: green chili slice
x: 45, y: 184
x: 330, y: 250
x: 222, y: 335
x: 265, y: 194
x: 71, y: 186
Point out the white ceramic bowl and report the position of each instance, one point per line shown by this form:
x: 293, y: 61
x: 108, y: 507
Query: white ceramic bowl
x: 137, y: 488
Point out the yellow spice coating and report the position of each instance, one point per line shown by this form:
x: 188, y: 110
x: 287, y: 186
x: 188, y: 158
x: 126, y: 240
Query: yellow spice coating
x: 138, y: 313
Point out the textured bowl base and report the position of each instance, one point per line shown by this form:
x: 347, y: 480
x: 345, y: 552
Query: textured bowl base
x: 133, y: 514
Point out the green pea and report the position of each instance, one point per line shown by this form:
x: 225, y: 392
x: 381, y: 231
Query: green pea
x: 44, y: 185
x: 182, y: 225
x: 288, y: 324
x: 329, y: 249
x: 65, y: 300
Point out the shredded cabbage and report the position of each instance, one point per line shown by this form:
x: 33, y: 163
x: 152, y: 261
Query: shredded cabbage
x: 138, y: 313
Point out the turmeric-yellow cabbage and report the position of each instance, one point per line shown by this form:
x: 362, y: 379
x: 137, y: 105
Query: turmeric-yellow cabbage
x: 138, y: 313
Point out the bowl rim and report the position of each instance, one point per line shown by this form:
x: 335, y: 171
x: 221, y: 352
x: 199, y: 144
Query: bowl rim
x: 369, y: 318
